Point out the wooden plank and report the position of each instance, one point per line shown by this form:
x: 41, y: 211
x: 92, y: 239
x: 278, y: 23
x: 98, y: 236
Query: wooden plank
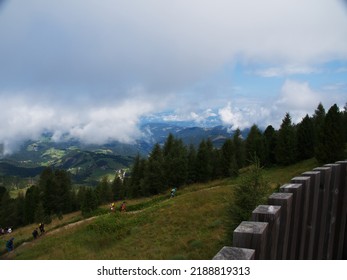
x: 251, y: 235
x: 234, y: 253
x: 342, y: 211
x: 312, y: 251
x: 284, y: 200
x: 332, y: 243
x: 295, y: 189
x: 271, y: 215
x: 322, y: 211
x: 302, y: 247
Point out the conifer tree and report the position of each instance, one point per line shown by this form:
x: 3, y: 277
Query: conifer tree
x: 305, y: 138
x: 252, y: 190
x: 191, y: 168
x: 331, y: 144
x: 175, y: 162
x: 240, y: 153
x: 255, y: 145
x: 135, y: 185
x: 318, y: 123
x: 154, y: 180
x: 270, y: 137
x: 204, y: 161
x: 286, y: 152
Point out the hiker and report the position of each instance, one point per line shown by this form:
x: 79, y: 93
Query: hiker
x: 112, y: 206
x: 173, y: 192
x: 9, y: 245
x: 35, y: 233
x: 123, y: 207
x: 9, y: 230
x: 42, y: 228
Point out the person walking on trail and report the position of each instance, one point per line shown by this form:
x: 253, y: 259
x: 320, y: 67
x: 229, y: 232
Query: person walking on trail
x: 42, y: 228
x: 9, y: 245
x: 173, y: 192
x: 112, y: 206
x: 123, y: 207
x: 35, y: 233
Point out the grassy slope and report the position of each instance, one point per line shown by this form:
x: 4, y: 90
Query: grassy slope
x: 190, y: 226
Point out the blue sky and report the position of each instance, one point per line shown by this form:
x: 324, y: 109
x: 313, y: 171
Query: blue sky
x: 94, y: 69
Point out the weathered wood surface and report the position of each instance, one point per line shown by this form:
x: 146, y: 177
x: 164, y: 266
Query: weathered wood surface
x: 342, y: 212
x: 271, y: 215
x: 332, y: 211
x: 311, y: 229
x: 234, y: 253
x: 322, y: 211
x: 251, y: 235
x: 295, y: 189
x: 303, y: 231
x: 284, y: 200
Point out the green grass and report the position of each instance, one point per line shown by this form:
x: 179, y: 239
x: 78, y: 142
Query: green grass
x: 190, y: 226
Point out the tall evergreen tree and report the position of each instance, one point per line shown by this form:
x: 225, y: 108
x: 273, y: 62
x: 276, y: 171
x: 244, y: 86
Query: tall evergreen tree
x: 255, y: 145
x: 154, y: 182
x: 32, y: 199
x: 239, y: 146
x: 135, y: 184
x: 305, y: 138
x: 318, y: 123
x: 286, y: 152
x: 175, y: 162
x: 270, y: 137
x: 191, y: 168
x: 204, y: 161
x: 331, y: 142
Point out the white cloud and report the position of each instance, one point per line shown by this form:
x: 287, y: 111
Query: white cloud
x: 81, y: 62
x: 286, y: 71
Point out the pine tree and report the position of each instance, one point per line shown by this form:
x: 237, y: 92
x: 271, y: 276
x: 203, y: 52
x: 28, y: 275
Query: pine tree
x: 286, y: 152
x: 331, y: 142
x: 305, y: 138
x: 228, y: 159
x: 270, y: 137
x: 191, y: 168
x: 135, y: 185
x: 239, y: 146
x: 248, y: 194
x: 175, y: 162
x: 89, y: 201
x: 154, y: 181
x: 204, y: 161
x: 318, y: 123
x: 255, y: 144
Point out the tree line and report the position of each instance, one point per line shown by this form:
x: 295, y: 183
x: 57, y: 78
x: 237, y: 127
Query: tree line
x: 174, y: 164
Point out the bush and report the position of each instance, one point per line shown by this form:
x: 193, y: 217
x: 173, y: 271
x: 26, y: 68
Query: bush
x: 252, y: 190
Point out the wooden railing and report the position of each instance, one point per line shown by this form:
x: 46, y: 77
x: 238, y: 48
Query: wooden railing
x: 306, y: 220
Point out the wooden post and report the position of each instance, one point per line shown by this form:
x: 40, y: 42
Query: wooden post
x: 302, y: 247
x: 322, y: 211
x: 271, y: 215
x: 342, y: 210
x: 284, y: 200
x: 251, y: 235
x: 234, y: 253
x: 332, y: 211
x: 312, y: 214
x: 295, y: 189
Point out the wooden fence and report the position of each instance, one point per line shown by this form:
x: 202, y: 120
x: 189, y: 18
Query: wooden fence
x: 306, y: 220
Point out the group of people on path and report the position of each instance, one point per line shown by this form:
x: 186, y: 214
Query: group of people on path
x: 122, y: 208
x: 35, y: 232
x: 5, y: 230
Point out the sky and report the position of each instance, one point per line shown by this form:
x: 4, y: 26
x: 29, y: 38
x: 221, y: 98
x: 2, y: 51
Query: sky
x: 92, y: 70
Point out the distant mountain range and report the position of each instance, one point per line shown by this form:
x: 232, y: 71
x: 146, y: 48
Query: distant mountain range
x: 88, y: 163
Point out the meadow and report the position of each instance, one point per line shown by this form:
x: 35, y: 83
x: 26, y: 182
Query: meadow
x: 191, y: 226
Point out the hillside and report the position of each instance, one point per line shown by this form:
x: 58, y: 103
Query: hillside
x: 190, y: 226
x: 88, y: 163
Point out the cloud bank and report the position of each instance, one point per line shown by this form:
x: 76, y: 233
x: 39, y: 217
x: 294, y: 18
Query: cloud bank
x: 92, y: 68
